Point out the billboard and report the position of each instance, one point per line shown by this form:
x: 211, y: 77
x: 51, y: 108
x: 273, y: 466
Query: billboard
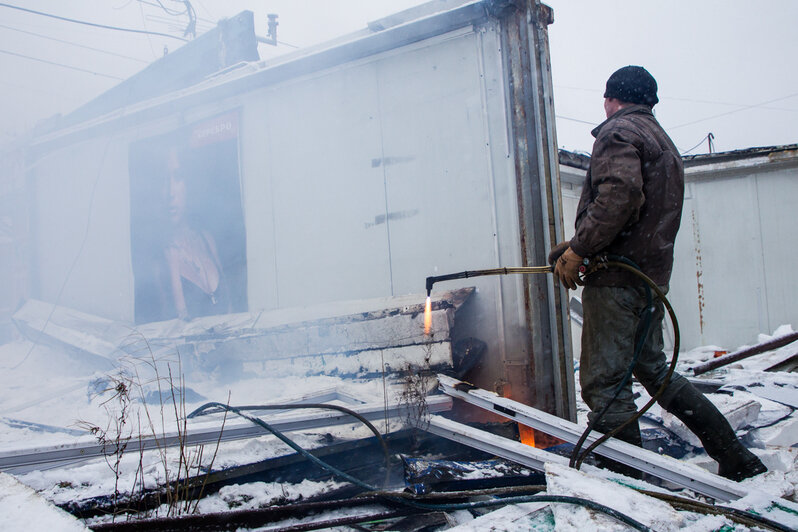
x: 188, y: 240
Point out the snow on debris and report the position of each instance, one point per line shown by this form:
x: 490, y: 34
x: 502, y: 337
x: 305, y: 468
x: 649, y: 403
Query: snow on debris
x: 561, y: 480
x: 40, y: 412
x: 262, y: 494
x: 21, y: 508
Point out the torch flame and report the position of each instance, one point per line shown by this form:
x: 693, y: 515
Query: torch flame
x: 428, y: 316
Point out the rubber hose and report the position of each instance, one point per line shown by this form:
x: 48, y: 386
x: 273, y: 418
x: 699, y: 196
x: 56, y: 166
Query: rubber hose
x: 627, y: 377
x: 671, y: 369
x: 204, y: 409
x: 742, y: 517
x: 478, y: 504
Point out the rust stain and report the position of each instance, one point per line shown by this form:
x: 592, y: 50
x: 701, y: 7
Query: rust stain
x: 699, y: 272
x: 782, y: 155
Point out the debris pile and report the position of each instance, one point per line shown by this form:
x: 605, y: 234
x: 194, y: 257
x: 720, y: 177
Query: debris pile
x: 421, y: 470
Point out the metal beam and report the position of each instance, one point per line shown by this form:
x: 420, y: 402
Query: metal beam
x: 664, y: 467
x: 545, y: 375
x: 515, y: 451
x: 33, y: 458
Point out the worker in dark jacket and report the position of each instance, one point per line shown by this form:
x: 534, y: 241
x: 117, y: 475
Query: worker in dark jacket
x: 631, y: 206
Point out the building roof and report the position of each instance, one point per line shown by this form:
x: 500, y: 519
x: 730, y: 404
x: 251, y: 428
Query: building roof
x: 728, y: 161
x: 785, y: 151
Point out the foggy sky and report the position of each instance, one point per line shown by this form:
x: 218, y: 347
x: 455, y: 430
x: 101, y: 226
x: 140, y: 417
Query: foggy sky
x: 726, y: 58
x: 710, y: 58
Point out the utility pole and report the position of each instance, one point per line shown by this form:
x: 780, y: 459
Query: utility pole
x: 271, y: 33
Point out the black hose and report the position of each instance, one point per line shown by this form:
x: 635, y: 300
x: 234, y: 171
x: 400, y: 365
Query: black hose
x: 680, y: 503
x: 206, y: 409
x: 285, y: 439
x: 742, y: 517
x: 600, y: 263
x: 587, y: 503
x: 671, y: 369
x: 443, y: 507
x: 646, y: 325
x: 622, y: 263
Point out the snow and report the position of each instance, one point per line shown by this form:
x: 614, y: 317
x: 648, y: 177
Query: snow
x: 21, y: 508
x: 561, y: 480
x: 262, y: 494
x: 523, y: 517
x: 48, y: 397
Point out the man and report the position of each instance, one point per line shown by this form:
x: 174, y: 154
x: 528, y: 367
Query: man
x: 631, y: 206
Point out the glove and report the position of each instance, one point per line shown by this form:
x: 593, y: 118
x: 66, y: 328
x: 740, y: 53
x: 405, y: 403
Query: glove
x: 557, y: 251
x: 567, y: 269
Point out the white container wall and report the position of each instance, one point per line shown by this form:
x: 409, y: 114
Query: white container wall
x: 363, y: 168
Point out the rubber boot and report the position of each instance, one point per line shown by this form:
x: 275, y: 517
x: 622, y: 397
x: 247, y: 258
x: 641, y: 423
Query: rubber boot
x: 629, y: 434
x: 735, y: 462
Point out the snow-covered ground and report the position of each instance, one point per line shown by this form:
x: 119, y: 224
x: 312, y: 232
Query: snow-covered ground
x: 48, y: 398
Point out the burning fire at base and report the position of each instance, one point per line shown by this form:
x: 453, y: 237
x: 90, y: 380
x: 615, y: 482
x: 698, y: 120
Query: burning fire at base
x: 526, y: 435
x: 428, y: 316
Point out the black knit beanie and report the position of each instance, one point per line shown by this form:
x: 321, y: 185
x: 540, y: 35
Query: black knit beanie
x: 632, y: 84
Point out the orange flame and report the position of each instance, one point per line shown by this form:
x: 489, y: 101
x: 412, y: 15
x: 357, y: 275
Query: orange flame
x: 527, y: 435
x: 428, y: 316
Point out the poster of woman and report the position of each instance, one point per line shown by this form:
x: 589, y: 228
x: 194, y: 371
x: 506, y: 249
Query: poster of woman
x: 187, y: 226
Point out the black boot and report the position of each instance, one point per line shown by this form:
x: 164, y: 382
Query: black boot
x: 629, y: 434
x: 718, y: 438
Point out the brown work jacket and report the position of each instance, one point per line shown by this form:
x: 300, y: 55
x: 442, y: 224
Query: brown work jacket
x: 631, y: 203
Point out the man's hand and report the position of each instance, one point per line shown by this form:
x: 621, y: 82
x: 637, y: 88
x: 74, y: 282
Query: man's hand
x: 567, y: 269
x: 557, y: 251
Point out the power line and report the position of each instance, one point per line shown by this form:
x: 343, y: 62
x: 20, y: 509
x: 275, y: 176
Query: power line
x: 741, y: 105
x: 73, y: 43
x: 207, y: 11
x: 60, y: 64
x: 761, y: 105
x: 734, y: 111
x: 175, y: 24
x: 130, y: 30
x: 144, y: 23
x: 576, y: 120
x: 679, y: 99
x: 168, y: 11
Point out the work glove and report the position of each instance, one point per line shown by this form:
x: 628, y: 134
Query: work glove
x: 557, y: 251
x: 567, y: 269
